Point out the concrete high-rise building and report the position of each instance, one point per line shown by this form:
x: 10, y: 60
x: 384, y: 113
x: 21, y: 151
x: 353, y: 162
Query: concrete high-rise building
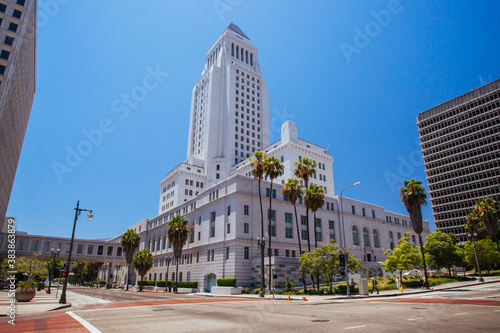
x: 17, y: 86
x: 460, y: 141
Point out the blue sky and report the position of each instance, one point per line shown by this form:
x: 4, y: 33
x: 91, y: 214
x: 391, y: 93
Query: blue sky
x: 353, y: 76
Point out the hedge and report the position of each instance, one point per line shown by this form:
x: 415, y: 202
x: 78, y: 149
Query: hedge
x: 162, y: 283
x: 226, y: 282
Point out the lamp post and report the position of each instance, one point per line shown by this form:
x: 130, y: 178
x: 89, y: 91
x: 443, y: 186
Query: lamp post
x: 78, y: 211
x: 346, y: 253
x: 262, y: 245
x: 168, y: 259
x: 53, y: 255
x: 474, y: 238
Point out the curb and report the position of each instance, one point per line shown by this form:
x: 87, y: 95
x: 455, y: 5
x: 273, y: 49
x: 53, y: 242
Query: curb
x: 64, y: 306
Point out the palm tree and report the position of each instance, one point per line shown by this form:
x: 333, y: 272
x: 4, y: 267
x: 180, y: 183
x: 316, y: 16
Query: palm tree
x: 291, y: 192
x: 413, y: 196
x: 178, y: 233
x: 488, y: 212
x: 304, y: 170
x: 257, y: 163
x: 143, y: 261
x: 273, y: 169
x: 314, y: 199
x: 130, y: 242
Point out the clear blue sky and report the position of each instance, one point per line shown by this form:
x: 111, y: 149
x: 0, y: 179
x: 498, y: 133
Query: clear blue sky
x: 357, y: 95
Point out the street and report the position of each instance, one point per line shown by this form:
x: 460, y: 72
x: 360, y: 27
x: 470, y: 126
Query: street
x: 470, y: 308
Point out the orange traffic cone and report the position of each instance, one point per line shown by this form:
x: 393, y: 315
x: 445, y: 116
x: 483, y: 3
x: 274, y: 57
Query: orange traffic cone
x: 156, y: 290
x: 149, y: 289
x: 163, y: 291
x: 289, y: 297
x: 304, y: 299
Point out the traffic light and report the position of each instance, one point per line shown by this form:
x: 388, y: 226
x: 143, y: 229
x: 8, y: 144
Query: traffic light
x: 342, y: 260
x: 63, y: 274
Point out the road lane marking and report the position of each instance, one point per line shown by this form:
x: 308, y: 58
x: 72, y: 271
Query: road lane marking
x: 85, y: 323
x: 461, y: 313
x: 348, y: 328
x: 418, y: 318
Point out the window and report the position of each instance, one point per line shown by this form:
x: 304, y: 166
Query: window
x: 293, y: 253
x: 191, y: 236
x: 247, y: 252
x: 246, y: 209
x: 13, y: 27
x: 5, y: 54
x: 276, y: 252
x: 21, y: 2
x: 208, y: 255
x: 331, y: 227
x: 391, y: 239
x: 34, y: 245
x: 366, y: 237
x: 268, y: 191
x: 17, y: 13
x: 303, y: 226
x: 2, y: 69
x: 353, y: 210
x: 229, y: 228
x: 197, y: 256
x: 119, y: 251
x: 287, y: 253
x: 21, y: 245
x: 246, y: 228
x: 110, y: 250
x: 2, y: 7
x: 318, y: 229
x: 90, y: 249
x: 363, y: 211
x: 288, y: 226
x: 355, y: 236
x: 227, y: 253
x: 376, y: 241
x: 79, y: 249
x: 46, y: 246
x: 271, y: 214
x: 8, y: 40
x: 213, y: 251
x: 212, y: 224
x: 100, y: 250
x: 399, y: 236
x: 199, y: 235
x: 228, y: 210
x: 373, y: 214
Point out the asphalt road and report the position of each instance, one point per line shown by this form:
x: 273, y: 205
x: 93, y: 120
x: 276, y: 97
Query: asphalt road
x: 462, y: 309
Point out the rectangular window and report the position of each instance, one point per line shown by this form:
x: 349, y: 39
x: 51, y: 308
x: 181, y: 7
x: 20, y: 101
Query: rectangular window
x: 391, y: 239
x: 276, y: 252
x: 213, y: 251
x: 228, y: 210
x: 208, y: 255
x: 287, y: 253
x: 229, y: 228
x: 268, y: 190
x: 100, y: 250
x: 67, y: 247
x: 331, y: 228
x: 212, y: 224
x: 271, y: 214
x: 79, y: 249
x: 318, y: 229
x: 246, y: 228
x: 373, y: 214
x: 303, y: 225
x: 12, y: 27
x: 293, y: 253
x: 363, y: 211
x: 110, y: 250
x: 21, y: 245
x: 246, y: 210
x: 119, y: 251
x: 288, y: 226
x: 34, y: 245
x: 199, y: 235
x: 46, y: 246
x: 227, y: 253
x: 353, y: 210
x: 17, y: 13
x: 197, y: 256
x: 191, y: 237
x: 399, y: 236
x: 247, y: 252
x: 90, y: 249
x: 59, y: 246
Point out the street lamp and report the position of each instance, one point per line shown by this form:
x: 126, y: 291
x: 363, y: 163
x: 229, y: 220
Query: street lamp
x: 474, y: 238
x: 78, y: 211
x: 168, y: 259
x: 344, y: 249
x: 262, y: 245
x: 53, y: 255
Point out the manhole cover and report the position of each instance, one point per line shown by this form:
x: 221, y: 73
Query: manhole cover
x: 320, y: 321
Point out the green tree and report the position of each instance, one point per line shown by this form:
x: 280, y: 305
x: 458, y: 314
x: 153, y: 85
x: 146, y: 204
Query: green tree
x: 32, y: 267
x: 404, y: 257
x: 90, y: 271
x: 178, y: 233
x: 273, y: 169
x: 310, y: 264
x: 488, y: 213
x: 143, y: 261
x: 77, y: 270
x: 130, y: 242
x: 413, y: 196
x: 486, y: 253
x: 257, y: 163
x: 304, y: 170
x: 443, y: 251
x: 291, y: 191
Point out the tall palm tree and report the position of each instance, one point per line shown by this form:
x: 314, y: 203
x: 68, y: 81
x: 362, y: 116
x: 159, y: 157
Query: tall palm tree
x: 488, y: 212
x: 273, y: 169
x: 178, y: 233
x: 413, y: 196
x: 257, y: 163
x: 291, y: 192
x: 143, y: 261
x: 304, y: 170
x: 130, y: 242
x: 314, y: 199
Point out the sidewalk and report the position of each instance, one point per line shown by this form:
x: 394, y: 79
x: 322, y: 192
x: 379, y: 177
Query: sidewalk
x: 383, y: 293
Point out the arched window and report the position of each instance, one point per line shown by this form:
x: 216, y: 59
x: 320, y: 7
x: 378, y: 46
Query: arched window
x: 251, y: 59
x: 355, y: 236
x: 232, y: 49
x: 188, y: 276
x: 160, y: 277
x: 164, y: 242
x: 376, y: 241
x: 180, y: 276
x: 237, y: 52
x: 155, y: 277
x: 158, y: 243
x: 246, y: 57
x: 242, y: 54
x: 366, y: 237
x: 173, y: 276
x: 149, y: 245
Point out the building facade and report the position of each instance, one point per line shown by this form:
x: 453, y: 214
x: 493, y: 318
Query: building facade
x: 17, y: 86
x: 460, y: 142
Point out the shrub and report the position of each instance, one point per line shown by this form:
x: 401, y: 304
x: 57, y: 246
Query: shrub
x: 29, y: 284
x: 257, y: 291
x: 226, y: 282
x: 289, y: 285
x: 246, y: 291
